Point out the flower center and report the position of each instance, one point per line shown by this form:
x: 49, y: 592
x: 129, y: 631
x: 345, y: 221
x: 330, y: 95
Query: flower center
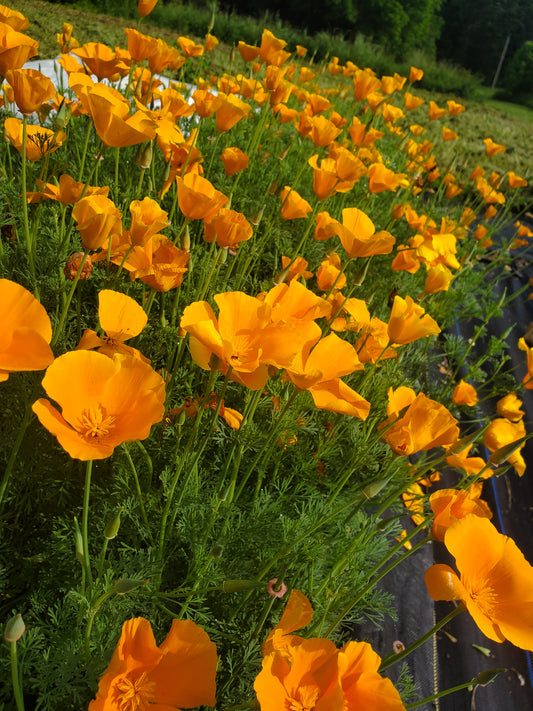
x: 94, y: 422
x: 307, y: 698
x: 484, y: 595
x: 135, y: 694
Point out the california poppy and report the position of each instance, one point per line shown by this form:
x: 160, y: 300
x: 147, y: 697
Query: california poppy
x: 502, y: 432
x: 358, y: 234
x: 98, y: 219
x: 450, y: 505
x: 424, y: 425
x: 271, y: 50
x: 102, y: 60
x: 228, y: 228
x: 464, y: 394
x: 293, y: 205
x: 15, y: 48
x: 510, y: 407
x: 189, y: 47
x: 16, y: 20
x: 68, y: 191
x: 147, y: 219
x: 121, y: 318
x: 30, y: 89
x: 230, y: 111
x: 145, y: 7
x: 408, y: 321
x: 234, y: 160
x: 39, y: 141
x: 381, y: 178
x: 495, y: 584
x: 493, y: 148
x: 104, y: 402
x: 179, y: 673
x: 197, y: 197
x: 26, y: 331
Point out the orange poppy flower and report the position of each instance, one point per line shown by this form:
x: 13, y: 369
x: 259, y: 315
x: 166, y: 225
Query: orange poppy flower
x: 271, y: 49
x: 329, y: 273
x: 464, y: 394
x: 15, y: 48
x: 68, y: 191
x: 324, y: 177
x: 147, y: 219
x: 411, y: 101
x: 415, y: 74
x: 439, y: 278
x: 197, y: 198
x: 178, y: 674
x: 493, y: 148
x: 424, y: 425
x: 30, y: 89
x: 16, y: 20
x: 98, y: 219
x: 165, y: 57
x: 319, y: 372
x: 247, y: 51
x: 293, y: 269
x: 230, y: 111
x: 502, y: 432
x: 205, y: 102
x: 435, y: 111
x: 470, y: 465
x: 319, y: 129
x: 448, y: 134
x: 65, y: 40
x: 380, y: 178
x: 159, y: 263
x: 104, y: 402
x: 140, y: 46
x: 26, y: 331
x: 450, y: 505
x: 293, y: 206
x: 515, y: 181
x: 189, y: 47
x: 39, y: 141
x: 454, y: 108
x: 102, y: 61
x: 121, y: 318
x: 510, y: 407
x: 358, y: 235
x: 364, y: 83
x: 112, y: 120
x: 145, y: 7
x: 300, y: 673
x: 409, y: 322
x: 234, y: 160
x: 496, y: 583
x: 228, y: 228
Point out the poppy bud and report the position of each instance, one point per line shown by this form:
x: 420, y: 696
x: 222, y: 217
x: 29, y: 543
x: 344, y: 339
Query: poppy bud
x: 185, y: 243
x: 374, y: 488
x: 273, y: 187
x: 181, y: 419
x: 222, y: 256
x: 284, y: 153
x: 14, y: 629
x: 143, y: 156
x: 166, y: 172
x: 112, y: 526
x: 257, y: 216
x: 62, y: 117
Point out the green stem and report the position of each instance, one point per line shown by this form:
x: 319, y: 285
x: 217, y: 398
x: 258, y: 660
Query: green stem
x: 11, y: 463
x: 394, y: 658
x: 137, y: 488
x: 17, y: 691
x: 66, y: 305
x: 29, y: 245
x: 85, y: 525
x: 434, y: 697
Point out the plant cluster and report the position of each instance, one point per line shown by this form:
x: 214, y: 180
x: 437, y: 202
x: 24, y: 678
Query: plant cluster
x: 237, y: 286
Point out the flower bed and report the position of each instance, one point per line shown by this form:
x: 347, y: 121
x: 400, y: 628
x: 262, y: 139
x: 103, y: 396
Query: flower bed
x: 238, y: 297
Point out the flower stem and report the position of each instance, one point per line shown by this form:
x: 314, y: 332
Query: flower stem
x: 84, y: 525
x: 29, y: 245
x: 17, y: 691
x: 394, y: 658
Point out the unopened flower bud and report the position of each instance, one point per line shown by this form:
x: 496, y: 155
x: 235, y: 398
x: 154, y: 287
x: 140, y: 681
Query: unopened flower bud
x: 273, y: 187
x: 374, y: 488
x: 284, y: 153
x: 112, y: 526
x: 185, y: 243
x: 143, y: 156
x: 62, y: 117
x: 123, y: 586
x: 78, y: 542
x: 257, y: 216
x: 181, y: 418
x: 222, y: 256
x: 14, y: 629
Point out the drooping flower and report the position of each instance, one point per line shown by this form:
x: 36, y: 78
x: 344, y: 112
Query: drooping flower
x: 104, y: 402
x: 495, y: 584
x: 121, y: 318
x: 26, y: 331
x: 179, y: 673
